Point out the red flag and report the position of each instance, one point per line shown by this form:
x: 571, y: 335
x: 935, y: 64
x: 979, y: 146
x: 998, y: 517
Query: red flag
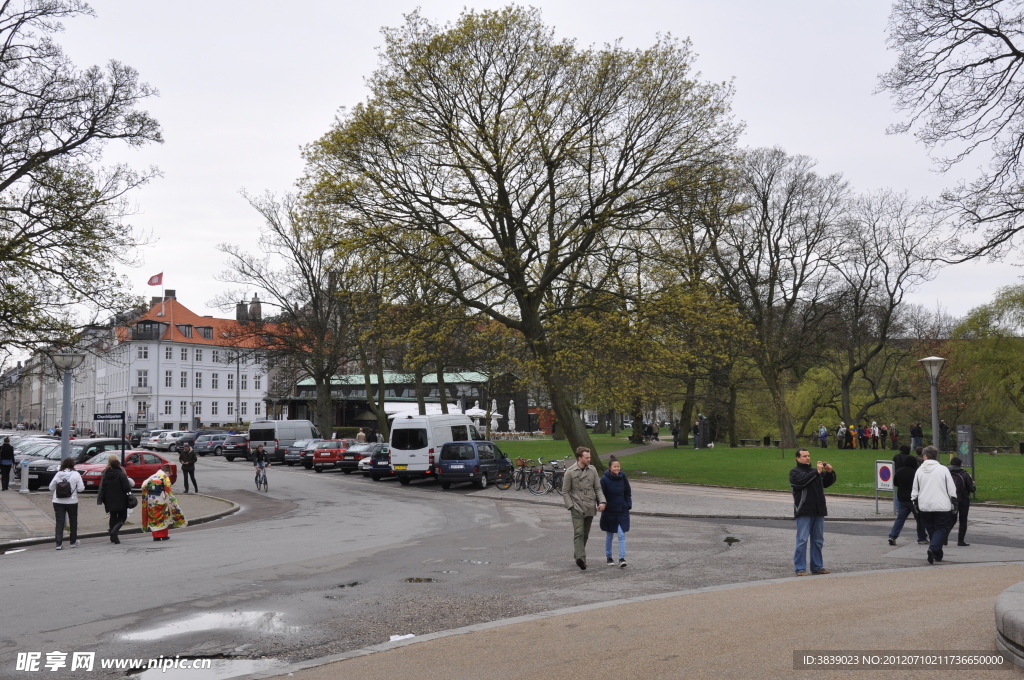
x: 157, y: 280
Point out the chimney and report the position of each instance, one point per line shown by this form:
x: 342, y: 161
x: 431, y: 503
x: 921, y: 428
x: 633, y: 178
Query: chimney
x: 153, y: 302
x: 255, y: 311
x: 169, y: 294
x: 241, y: 312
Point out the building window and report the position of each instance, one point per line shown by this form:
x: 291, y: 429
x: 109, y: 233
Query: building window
x: 199, y: 409
x: 256, y: 407
x: 186, y: 330
x: 168, y: 352
x: 215, y: 356
x: 214, y: 380
x: 143, y: 352
x: 143, y: 410
x: 231, y: 408
x: 168, y: 405
x: 199, y: 355
x: 168, y: 378
x: 184, y: 408
x: 213, y: 408
x: 231, y: 382
x: 206, y: 332
x: 257, y: 381
x: 184, y: 378
x: 143, y: 377
x: 245, y: 408
x: 199, y: 380
x: 184, y: 353
x: 245, y: 382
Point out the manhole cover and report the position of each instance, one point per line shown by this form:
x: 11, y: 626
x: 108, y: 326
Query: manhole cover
x: 419, y: 579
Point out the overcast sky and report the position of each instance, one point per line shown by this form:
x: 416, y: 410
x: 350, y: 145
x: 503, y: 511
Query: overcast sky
x: 244, y: 85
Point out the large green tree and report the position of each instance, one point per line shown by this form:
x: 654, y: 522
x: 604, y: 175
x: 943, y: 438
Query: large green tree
x: 518, y: 156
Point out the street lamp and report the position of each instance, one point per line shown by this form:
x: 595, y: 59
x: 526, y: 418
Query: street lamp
x: 106, y: 425
x: 932, y: 367
x: 67, y: 362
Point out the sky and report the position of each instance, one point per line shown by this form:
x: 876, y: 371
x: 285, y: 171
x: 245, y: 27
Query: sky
x: 245, y: 85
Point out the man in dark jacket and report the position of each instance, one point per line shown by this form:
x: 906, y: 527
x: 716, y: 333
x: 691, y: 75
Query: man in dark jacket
x: 906, y: 468
x: 964, y: 488
x: 6, y: 462
x: 113, y: 495
x: 809, y: 484
x: 187, y: 458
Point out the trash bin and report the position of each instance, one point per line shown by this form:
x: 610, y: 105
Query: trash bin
x: 1022, y: 448
x: 768, y: 440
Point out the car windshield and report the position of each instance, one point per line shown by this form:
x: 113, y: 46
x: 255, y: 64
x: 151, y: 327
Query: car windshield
x: 458, y: 452
x: 361, y: 448
x: 203, y: 438
x: 98, y: 458
x: 328, y: 445
x: 409, y: 439
x: 300, y: 443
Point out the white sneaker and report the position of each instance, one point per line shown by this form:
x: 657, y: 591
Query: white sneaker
x: 60, y: 547
x: 76, y: 544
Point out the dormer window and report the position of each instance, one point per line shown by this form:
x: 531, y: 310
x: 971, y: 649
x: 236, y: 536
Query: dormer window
x: 185, y: 330
x: 206, y: 332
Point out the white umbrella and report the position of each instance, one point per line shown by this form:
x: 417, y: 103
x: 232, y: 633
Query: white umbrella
x: 511, y: 415
x: 494, y: 415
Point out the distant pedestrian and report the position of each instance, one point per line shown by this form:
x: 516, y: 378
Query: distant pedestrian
x: 113, y: 496
x: 894, y: 435
x: 187, y: 458
x: 696, y: 435
x: 823, y: 436
x: 675, y: 436
x: 66, y: 485
x: 964, y: 488
x: 583, y: 498
x: 916, y: 436
x: 380, y: 438
x: 808, y: 485
x: 903, y: 479
x: 874, y: 435
x: 618, y: 502
x: 851, y: 437
x: 841, y: 436
x: 935, y: 494
x: 943, y: 436
x: 160, y: 511
x: 361, y: 436
x: 6, y: 463
x: 883, y: 435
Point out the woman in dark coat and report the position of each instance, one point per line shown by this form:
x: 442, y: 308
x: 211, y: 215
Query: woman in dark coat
x: 113, y: 495
x: 618, y: 502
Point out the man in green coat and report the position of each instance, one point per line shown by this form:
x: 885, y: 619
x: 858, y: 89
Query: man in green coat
x: 581, y: 491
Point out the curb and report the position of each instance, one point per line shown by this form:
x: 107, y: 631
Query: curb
x: 203, y: 519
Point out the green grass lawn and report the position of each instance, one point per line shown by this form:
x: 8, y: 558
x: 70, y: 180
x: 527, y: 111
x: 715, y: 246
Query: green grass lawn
x: 549, y: 449
x: 1000, y: 478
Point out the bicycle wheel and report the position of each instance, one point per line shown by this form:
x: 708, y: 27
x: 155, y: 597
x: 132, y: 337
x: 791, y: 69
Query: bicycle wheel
x: 503, y: 479
x: 556, y: 481
x: 517, y: 479
x: 258, y: 481
x: 538, y: 483
x: 266, y: 487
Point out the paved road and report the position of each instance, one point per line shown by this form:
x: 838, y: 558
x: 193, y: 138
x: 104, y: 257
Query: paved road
x: 278, y: 567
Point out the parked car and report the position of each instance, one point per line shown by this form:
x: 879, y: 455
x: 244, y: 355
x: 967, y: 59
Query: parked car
x: 34, y: 450
x: 168, y: 441
x: 136, y: 437
x: 209, y: 443
x: 378, y: 464
x: 42, y: 470
x: 236, y: 446
x: 294, y: 453
x: 278, y: 435
x: 307, y: 455
x: 474, y: 461
x: 191, y: 437
x: 138, y: 465
x: 349, y: 460
x: 149, y: 441
x: 416, y: 441
x: 19, y: 426
x: 327, y: 452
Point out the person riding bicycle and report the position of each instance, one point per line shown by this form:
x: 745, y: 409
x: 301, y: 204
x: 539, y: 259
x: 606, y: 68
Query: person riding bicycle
x: 260, y: 460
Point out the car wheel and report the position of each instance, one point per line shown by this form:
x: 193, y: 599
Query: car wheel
x: 217, y: 451
x: 347, y: 472
x: 482, y: 484
x: 446, y: 485
x: 229, y: 458
x: 291, y: 464
x: 318, y: 468
x: 203, y: 454
x: 375, y: 478
x: 308, y: 466
x: 404, y: 481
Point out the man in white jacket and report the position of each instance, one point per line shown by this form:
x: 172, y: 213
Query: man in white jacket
x: 934, y: 494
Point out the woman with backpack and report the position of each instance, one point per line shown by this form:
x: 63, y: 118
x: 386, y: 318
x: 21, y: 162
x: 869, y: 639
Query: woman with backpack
x: 160, y: 511
x: 66, y: 485
x: 615, y: 516
x: 115, y: 487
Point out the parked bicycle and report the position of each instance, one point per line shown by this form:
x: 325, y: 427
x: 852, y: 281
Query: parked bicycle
x: 544, y: 480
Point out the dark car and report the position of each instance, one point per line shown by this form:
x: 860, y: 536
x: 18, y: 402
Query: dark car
x: 475, y: 462
x: 294, y: 452
x: 380, y: 463
x: 42, y: 470
x: 348, y: 460
x: 236, y: 446
x: 210, y: 443
x: 135, y: 438
x: 190, y: 439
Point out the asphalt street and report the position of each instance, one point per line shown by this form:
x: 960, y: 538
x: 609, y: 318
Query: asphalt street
x: 328, y: 563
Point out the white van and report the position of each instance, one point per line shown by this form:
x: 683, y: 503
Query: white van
x: 416, y: 442
x: 277, y: 435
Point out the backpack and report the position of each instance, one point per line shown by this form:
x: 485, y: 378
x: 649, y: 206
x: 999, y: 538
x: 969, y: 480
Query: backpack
x: 63, y: 489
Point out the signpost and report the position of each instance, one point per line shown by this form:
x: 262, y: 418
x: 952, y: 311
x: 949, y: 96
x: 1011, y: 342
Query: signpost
x: 884, y: 470
x: 965, y: 447
x: 114, y: 416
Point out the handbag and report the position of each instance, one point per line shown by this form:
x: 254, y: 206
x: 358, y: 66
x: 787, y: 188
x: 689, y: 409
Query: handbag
x: 133, y: 502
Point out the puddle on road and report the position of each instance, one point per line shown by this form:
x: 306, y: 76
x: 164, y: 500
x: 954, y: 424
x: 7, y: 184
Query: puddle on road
x: 730, y: 540
x: 351, y: 584
x: 419, y: 579
x: 220, y: 669
x: 261, y: 622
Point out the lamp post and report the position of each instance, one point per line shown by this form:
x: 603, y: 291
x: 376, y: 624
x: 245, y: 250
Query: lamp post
x: 932, y: 367
x: 107, y: 411
x: 67, y: 362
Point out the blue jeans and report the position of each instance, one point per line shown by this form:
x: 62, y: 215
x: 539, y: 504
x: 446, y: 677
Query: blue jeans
x: 812, y: 528
x: 608, y: 543
x: 903, y: 510
x: 937, y: 525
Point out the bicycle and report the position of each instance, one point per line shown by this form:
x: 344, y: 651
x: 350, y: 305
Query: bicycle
x: 261, y: 480
x: 539, y: 481
x: 503, y: 479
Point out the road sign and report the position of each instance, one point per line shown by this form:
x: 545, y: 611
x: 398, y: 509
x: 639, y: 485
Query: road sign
x: 883, y: 475
x: 108, y: 416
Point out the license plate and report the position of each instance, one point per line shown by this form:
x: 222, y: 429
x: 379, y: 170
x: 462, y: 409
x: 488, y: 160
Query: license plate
x: 324, y: 455
x: 456, y: 467
x: 382, y: 464
x: 401, y: 467
x: 33, y: 476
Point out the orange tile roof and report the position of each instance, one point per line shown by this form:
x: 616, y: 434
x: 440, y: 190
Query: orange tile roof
x: 226, y: 332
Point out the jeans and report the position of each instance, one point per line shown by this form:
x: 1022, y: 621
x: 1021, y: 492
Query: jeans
x: 116, y: 521
x: 5, y: 476
x: 71, y: 510
x: 813, y: 529
x: 903, y: 510
x: 937, y: 524
x: 185, y: 474
x: 608, y: 543
x: 580, y: 534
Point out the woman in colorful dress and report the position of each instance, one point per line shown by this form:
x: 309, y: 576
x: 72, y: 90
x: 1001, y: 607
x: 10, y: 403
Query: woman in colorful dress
x: 160, y: 511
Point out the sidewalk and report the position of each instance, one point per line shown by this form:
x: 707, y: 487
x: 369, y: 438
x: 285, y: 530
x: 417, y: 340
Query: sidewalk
x: 28, y: 518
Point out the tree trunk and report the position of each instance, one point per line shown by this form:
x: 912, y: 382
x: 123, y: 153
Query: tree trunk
x: 686, y: 418
x: 442, y: 389
x: 787, y: 434
x: 613, y: 417
x: 421, y: 403
x: 382, y: 416
x: 602, y: 423
x: 734, y: 440
x: 324, y: 406
x: 638, y: 423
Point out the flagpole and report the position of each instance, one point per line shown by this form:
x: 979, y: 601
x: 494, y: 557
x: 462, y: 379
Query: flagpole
x: 163, y: 296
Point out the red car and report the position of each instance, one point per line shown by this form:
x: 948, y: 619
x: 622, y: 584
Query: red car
x: 328, y: 452
x: 138, y: 465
